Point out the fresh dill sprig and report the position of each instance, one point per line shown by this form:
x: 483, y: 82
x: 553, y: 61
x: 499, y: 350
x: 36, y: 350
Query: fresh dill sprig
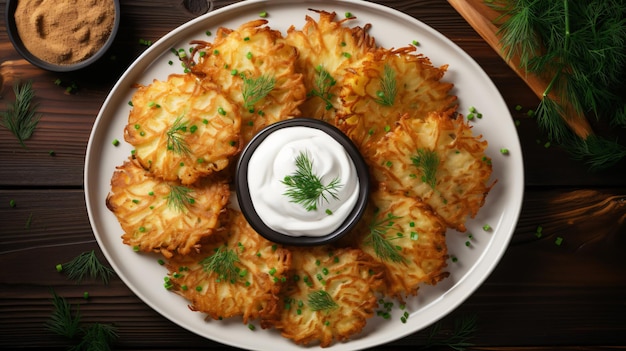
x: 222, y: 262
x: 464, y: 329
x: 323, y: 83
x: 179, y: 197
x: 65, y: 323
x: 305, y: 188
x: 321, y: 300
x: 175, y: 141
x: 97, y: 337
x: 62, y: 321
x: 388, y: 90
x: 578, y: 46
x: 21, y: 117
x: 255, y: 89
x: 377, y: 238
x: 427, y: 162
x: 87, y: 263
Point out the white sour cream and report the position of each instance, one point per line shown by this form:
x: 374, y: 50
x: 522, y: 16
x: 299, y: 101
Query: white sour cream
x: 274, y: 158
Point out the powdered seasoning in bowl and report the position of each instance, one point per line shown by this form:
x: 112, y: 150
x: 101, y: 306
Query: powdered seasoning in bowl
x: 302, y: 182
x: 62, y: 36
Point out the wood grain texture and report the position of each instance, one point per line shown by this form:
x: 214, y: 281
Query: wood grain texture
x: 540, y: 296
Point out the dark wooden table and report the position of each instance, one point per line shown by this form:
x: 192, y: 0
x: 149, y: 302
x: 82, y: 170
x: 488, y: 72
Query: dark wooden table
x: 540, y: 296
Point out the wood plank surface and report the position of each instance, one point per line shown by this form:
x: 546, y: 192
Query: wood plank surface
x: 540, y: 296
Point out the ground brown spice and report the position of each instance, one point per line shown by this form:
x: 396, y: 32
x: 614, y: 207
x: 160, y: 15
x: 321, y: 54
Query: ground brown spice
x: 64, y: 32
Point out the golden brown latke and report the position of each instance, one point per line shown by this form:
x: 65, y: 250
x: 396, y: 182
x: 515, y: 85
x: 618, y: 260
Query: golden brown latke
x: 461, y: 168
x: 239, y: 273
x: 239, y: 60
x: 329, y: 294
x: 183, y: 129
x: 324, y: 48
x: 383, y: 86
x: 164, y: 216
x: 405, y: 236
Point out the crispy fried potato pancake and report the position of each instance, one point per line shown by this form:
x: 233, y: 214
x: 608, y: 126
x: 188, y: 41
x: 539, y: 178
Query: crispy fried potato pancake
x: 324, y: 47
x: 238, y: 274
x: 182, y: 129
x: 460, y: 169
x: 255, y: 67
x: 329, y: 294
x: 163, y: 216
x: 405, y: 236
x: 383, y: 86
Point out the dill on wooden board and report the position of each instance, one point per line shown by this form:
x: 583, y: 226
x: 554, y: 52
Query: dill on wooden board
x: 580, y: 48
x: 21, y: 117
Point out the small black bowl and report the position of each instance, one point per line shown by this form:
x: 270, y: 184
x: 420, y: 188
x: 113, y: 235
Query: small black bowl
x: 246, y: 202
x: 23, y: 51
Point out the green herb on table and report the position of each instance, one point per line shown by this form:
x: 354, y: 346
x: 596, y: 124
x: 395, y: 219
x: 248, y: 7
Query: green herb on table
x: 579, y: 47
x: 305, y: 188
x: 179, y: 197
x: 62, y: 321
x: 321, y: 300
x: 427, y: 162
x: 21, y: 117
x: 456, y: 339
x: 377, y: 238
x: 255, y: 89
x: 388, y: 90
x: 175, y: 141
x: 86, y: 264
x: 323, y: 83
x: 222, y: 262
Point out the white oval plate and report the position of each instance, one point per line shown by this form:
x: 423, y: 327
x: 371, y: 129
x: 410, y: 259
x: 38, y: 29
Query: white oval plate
x: 144, y: 276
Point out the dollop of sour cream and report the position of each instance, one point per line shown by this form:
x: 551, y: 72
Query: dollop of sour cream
x: 274, y: 158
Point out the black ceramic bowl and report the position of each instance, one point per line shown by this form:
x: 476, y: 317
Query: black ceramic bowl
x: 23, y: 51
x: 246, y: 202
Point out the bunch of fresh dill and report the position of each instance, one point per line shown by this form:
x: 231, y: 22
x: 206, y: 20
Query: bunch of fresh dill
x: 579, y: 48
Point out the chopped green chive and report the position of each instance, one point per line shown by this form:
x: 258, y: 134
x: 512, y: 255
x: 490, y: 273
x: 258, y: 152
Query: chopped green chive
x: 504, y: 151
x: 263, y: 14
x: 115, y: 142
x: 12, y: 203
x: 558, y: 241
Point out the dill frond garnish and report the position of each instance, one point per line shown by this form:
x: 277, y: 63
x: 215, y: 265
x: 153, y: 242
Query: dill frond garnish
x: 321, y: 300
x: 179, y: 197
x: 577, y: 47
x: 62, y: 321
x: 306, y: 188
x: 323, y: 83
x: 388, y: 90
x: 175, y: 140
x: 21, y: 117
x: 222, y: 262
x: 87, y: 263
x: 427, y: 162
x: 255, y: 89
x: 378, y: 239
x: 456, y: 339
x: 97, y: 336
